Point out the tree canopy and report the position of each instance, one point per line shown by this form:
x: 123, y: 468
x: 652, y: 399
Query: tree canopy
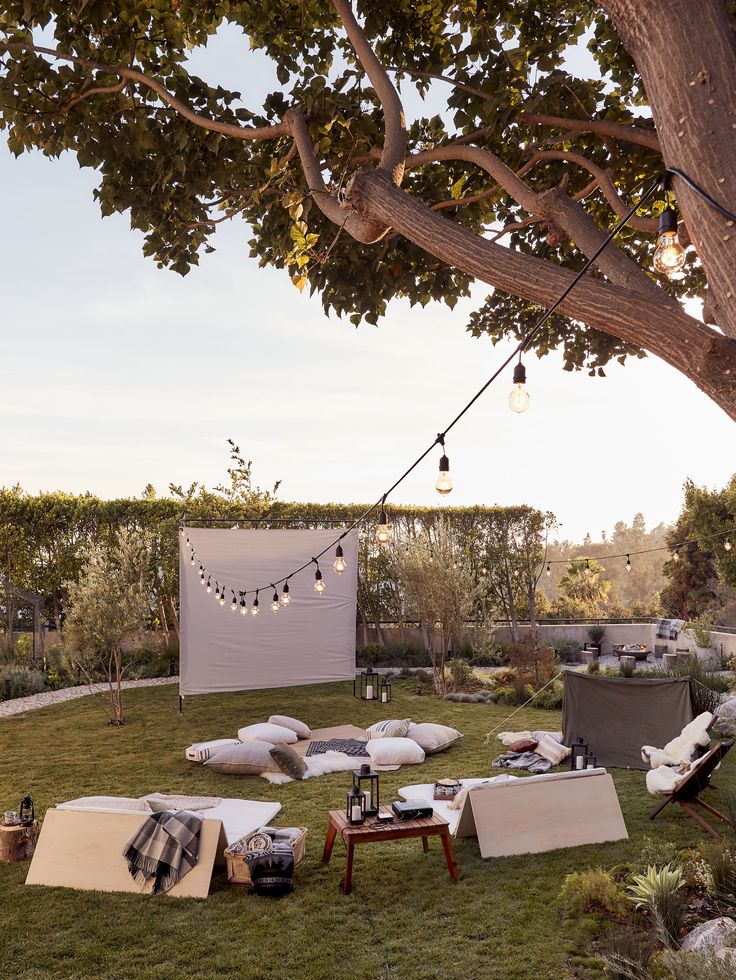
x: 513, y: 182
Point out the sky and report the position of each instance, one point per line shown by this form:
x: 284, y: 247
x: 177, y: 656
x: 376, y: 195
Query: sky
x: 114, y: 374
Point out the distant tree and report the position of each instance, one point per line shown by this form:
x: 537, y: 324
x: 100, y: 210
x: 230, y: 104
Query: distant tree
x: 582, y: 592
x: 111, y: 601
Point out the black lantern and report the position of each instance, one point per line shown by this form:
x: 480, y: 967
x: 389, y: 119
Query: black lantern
x: 365, y: 685
x: 27, y: 812
x: 578, y: 754
x: 384, y: 691
x: 355, y: 809
x: 367, y: 780
x: 590, y: 761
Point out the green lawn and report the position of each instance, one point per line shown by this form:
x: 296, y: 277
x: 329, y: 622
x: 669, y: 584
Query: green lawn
x: 405, y: 919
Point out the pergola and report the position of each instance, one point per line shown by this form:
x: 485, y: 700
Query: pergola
x: 14, y: 598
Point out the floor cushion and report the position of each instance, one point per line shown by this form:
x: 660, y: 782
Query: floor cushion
x: 394, y: 751
x: 244, y: 759
x: 433, y: 738
x: 393, y: 728
x: 301, y: 730
x: 264, y: 732
x: 288, y: 761
x: 201, y: 751
x: 104, y: 803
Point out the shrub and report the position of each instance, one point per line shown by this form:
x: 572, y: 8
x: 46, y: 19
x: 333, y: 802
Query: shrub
x: 462, y: 677
x: 592, y: 891
x: 19, y: 682
x: 626, y: 954
x: 658, y: 891
x: 700, y: 629
x: 23, y: 650
x: 568, y: 650
x: 372, y: 655
x: 392, y: 655
x: 697, y: 966
x: 715, y: 870
x: 706, y: 686
x: 532, y: 660
x: 480, y: 697
x: 596, y: 634
x: 550, y: 699
x: 594, y: 666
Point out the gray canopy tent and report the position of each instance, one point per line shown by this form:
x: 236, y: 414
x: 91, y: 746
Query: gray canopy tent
x: 617, y: 715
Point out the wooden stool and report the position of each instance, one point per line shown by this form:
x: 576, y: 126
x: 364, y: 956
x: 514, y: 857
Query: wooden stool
x: 17, y: 843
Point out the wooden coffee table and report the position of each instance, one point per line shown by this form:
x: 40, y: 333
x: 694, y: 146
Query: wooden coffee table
x: 371, y: 830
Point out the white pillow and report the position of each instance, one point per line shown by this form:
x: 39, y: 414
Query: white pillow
x: 202, y: 751
x: 394, y: 751
x: 433, y: 738
x: 99, y: 804
x: 267, y: 733
x: 244, y: 759
x: 393, y: 728
x: 302, y: 730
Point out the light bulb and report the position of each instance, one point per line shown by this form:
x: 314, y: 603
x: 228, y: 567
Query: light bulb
x: 209, y: 586
x: 628, y: 563
x: 383, y: 531
x: 319, y: 585
x: 443, y: 484
x: 217, y: 591
x: 519, y: 399
x: 669, y: 256
x: 234, y: 605
x: 727, y: 544
x: 340, y: 563
x: 192, y: 560
x: 243, y: 607
x: 222, y: 598
x: 255, y: 610
x: 548, y: 572
x: 675, y: 555
x: 275, y: 603
x: 587, y: 568
x: 285, y: 596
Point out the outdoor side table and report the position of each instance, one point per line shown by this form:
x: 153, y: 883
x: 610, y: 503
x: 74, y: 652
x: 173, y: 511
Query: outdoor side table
x: 371, y: 831
x: 17, y: 843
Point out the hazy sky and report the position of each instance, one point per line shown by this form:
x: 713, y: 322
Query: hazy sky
x: 114, y: 374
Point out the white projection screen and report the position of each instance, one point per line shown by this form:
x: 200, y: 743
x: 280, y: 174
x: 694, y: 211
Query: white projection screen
x: 310, y: 641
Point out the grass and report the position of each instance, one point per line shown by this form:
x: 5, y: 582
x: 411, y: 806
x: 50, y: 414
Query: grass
x: 405, y: 919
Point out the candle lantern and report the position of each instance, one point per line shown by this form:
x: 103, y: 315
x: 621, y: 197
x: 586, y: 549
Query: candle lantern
x: 367, y: 780
x: 577, y: 756
x: 384, y: 691
x: 590, y: 761
x: 27, y: 812
x: 355, y: 809
x: 365, y: 685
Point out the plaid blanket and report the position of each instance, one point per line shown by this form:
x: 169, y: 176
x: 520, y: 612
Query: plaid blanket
x: 669, y: 629
x: 164, y: 849
x: 354, y: 747
x: 522, y: 760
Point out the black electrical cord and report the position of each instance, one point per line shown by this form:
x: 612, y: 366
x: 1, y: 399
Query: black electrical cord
x: 702, y: 192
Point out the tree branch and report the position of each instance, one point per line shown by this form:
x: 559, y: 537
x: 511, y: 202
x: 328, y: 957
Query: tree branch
x: 88, y: 93
x: 441, y: 78
x: 256, y: 133
x: 647, y: 225
x: 394, y: 146
x: 618, y: 131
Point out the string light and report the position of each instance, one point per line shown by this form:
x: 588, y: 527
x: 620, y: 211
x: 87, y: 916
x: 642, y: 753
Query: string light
x: 383, y: 531
x: 727, y: 544
x: 519, y: 399
x: 628, y: 563
x: 254, y: 609
x: 340, y: 563
x: 548, y: 571
x: 319, y: 585
x: 243, y: 606
x: 201, y: 575
x: 443, y: 484
x: 676, y: 554
x: 209, y: 585
x: 587, y: 568
x: 275, y: 601
x: 234, y: 603
x: 217, y: 590
x: 192, y: 560
x: 222, y: 596
x: 285, y: 596
x: 669, y: 255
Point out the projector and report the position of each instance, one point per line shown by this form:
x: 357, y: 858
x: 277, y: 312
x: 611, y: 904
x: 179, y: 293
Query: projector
x: 412, y: 809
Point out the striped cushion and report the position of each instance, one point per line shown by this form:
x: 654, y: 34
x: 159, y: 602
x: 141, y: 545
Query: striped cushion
x: 202, y: 751
x: 393, y: 728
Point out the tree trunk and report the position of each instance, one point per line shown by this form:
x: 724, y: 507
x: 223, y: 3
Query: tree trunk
x: 511, y: 604
x: 171, y: 609
x: 117, y: 689
x: 696, y: 350
x: 686, y: 54
x: 364, y: 625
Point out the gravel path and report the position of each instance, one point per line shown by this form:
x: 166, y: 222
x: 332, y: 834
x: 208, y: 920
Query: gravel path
x: 18, y: 705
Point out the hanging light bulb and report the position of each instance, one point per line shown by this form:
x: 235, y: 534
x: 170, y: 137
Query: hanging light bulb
x: 676, y: 554
x: 319, y: 585
x: 519, y: 399
x: 275, y: 601
x: 628, y: 563
x: 587, y: 568
x: 443, y: 484
x: 192, y: 560
x: 234, y: 603
x: 340, y: 563
x: 383, y: 531
x: 548, y: 570
x: 285, y: 597
x: 243, y: 607
x: 727, y: 544
x: 209, y: 585
x: 222, y: 596
x: 182, y: 531
x: 254, y: 609
x: 217, y: 590
x: 669, y: 256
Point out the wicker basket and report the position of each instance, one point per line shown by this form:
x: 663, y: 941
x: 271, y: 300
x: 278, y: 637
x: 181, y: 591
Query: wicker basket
x: 238, y: 872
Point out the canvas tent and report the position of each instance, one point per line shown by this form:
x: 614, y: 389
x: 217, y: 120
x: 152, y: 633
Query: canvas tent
x: 617, y: 715
x: 309, y: 642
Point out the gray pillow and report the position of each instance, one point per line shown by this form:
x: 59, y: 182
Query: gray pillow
x: 244, y: 759
x: 288, y: 761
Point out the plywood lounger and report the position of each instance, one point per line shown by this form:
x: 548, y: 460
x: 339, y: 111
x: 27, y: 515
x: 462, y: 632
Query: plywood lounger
x: 542, y: 813
x: 83, y: 849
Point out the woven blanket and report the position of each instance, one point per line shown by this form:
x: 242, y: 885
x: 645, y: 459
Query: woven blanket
x: 669, y: 629
x: 522, y: 760
x: 353, y: 747
x: 165, y: 801
x: 164, y: 849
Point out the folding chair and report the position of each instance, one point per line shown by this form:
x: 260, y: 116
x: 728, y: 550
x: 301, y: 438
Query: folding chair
x: 687, y: 793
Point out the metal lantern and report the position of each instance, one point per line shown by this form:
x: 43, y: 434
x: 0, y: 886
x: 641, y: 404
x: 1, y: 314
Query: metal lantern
x: 355, y: 808
x: 590, y: 761
x: 27, y: 811
x: 367, y: 781
x: 578, y: 754
x: 365, y: 685
x: 384, y: 691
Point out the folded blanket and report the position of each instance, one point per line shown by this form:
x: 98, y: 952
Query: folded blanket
x: 522, y: 760
x: 164, y: 849
x: 164, y: 801
x: 349, y: 746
